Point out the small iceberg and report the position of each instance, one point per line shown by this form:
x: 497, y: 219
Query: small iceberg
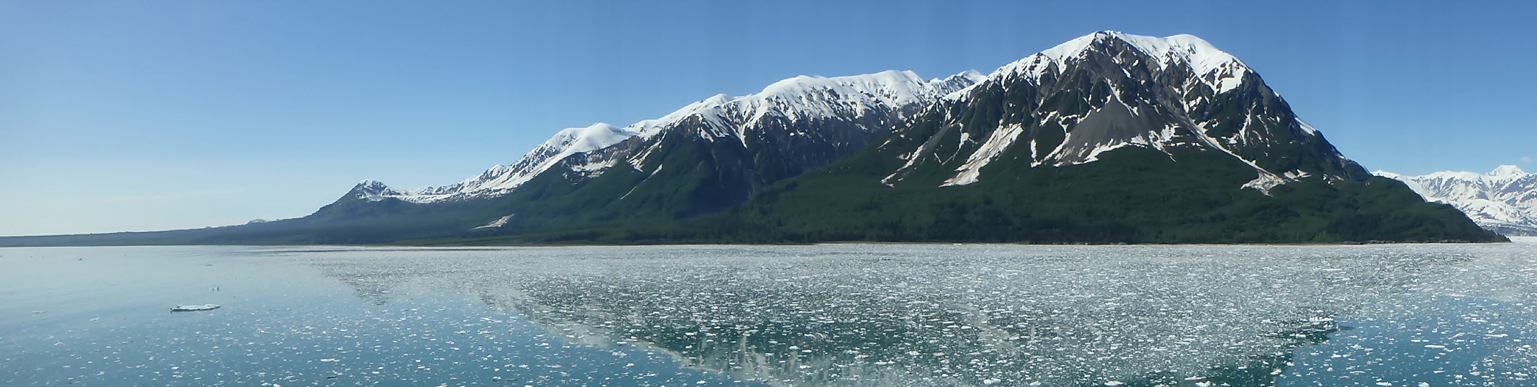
x: 194, y: 308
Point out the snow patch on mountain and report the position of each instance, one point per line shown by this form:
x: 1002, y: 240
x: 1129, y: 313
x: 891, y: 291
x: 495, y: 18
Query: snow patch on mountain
x: 499, y: 222
x: 1503, y: 200
x: 989, y: 151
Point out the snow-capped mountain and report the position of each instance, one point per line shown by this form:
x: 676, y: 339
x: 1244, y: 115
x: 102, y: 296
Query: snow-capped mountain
x: 1109, y: 137
x: 1105, y: 91
x: 817, y: 113
x: 1503, y: 200
x: 1088, y: 96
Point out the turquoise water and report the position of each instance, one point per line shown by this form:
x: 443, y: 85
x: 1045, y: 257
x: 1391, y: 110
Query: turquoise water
x: 839, y: 315
x: 101, y: 316
x: 1458, y: 341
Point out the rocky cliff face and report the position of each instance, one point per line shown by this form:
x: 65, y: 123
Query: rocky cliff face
x: 1106, y: 91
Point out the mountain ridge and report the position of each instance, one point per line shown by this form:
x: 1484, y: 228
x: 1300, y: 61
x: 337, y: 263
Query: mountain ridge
x: 1217, y: 69
x: 727, y: 116
x: 1503, y: 200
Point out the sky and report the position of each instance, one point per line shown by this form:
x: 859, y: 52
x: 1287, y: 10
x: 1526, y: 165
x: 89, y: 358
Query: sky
x: 154, y: 115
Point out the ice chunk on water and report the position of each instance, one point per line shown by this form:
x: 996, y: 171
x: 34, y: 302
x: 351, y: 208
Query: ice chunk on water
x: 194, y: 308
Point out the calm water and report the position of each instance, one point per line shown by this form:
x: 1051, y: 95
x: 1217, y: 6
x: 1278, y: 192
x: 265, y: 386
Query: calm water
x: 842, y: 315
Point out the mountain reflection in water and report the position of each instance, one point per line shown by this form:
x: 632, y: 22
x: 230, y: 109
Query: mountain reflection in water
x: 878, y: 315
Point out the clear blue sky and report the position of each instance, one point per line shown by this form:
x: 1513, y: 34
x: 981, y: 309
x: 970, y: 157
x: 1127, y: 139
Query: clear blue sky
x: 149, y: 115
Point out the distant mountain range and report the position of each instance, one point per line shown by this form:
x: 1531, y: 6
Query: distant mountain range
x: 1503, y: 200
x: 1107, y: 138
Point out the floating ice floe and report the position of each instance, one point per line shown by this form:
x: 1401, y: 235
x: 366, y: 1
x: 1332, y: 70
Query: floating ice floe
x: 194, y: 308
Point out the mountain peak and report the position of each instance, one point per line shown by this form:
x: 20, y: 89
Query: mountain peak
x: 952, y: 86
x: 973, y: 75
x: 891, y: 86
x: 370, y: 184
x: 1217, y: 68
x: 372, y: 190
x: 1507, y: 171
x: 595, y: 136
